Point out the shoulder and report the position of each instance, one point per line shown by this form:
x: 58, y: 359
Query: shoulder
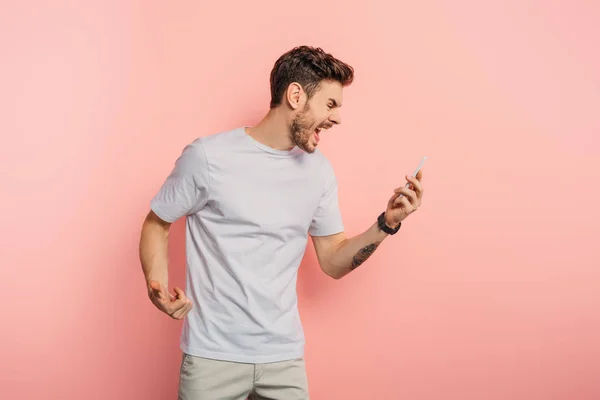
x: 323, y: 169
x: 323, y: 163
x: 203, y: 145
x: 223, y: 138
x: 193, y: 153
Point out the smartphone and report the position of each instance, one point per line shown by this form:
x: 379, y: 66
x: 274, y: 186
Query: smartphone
x: 420, y: 166
x: 416, y: 172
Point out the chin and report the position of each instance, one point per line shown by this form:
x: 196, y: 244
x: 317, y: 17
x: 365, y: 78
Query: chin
x: 309, y: 148
x: 306, y: 143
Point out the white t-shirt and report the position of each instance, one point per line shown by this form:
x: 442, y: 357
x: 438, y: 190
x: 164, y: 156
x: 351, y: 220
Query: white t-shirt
x: 249, y: 209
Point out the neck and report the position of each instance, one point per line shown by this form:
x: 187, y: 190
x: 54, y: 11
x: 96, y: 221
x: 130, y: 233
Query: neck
x: 273, y: 130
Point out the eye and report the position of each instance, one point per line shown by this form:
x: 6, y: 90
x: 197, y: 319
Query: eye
x: 329, y: 106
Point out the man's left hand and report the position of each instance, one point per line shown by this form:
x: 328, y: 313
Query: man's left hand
x: 400, y: 207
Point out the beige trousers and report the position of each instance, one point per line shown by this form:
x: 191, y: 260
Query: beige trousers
x: 206, y: 379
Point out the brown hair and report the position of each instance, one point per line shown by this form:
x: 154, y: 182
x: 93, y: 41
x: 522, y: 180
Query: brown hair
x: 308, y: 66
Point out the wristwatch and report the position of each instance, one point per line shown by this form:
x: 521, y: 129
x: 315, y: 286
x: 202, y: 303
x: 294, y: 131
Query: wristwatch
x: 382, y: 225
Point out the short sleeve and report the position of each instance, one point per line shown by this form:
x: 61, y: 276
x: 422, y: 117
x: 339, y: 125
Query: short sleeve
x: 328, y: 218
x: 185, y: 191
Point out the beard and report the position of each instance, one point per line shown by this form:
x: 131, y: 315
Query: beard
x: 302, y: 129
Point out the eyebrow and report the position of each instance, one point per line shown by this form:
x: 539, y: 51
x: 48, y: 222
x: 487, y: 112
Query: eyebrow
x: 335, y: 103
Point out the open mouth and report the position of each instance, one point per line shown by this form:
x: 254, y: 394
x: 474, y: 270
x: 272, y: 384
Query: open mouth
x: 317, y: 132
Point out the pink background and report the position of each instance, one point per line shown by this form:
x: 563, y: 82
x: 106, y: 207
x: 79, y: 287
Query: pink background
x: 491, y: 291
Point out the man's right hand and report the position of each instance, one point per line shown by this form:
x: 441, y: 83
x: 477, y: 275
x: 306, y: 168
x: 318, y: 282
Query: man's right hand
x: 176, y: 307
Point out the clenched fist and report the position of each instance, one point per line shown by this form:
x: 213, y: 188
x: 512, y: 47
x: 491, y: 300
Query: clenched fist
x: 175, y: 306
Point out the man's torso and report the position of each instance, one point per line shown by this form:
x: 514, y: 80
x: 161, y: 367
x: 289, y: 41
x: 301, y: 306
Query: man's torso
x: 244, y: 246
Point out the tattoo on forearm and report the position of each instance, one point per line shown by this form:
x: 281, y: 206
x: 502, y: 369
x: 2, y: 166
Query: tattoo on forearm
x: 362, y: 255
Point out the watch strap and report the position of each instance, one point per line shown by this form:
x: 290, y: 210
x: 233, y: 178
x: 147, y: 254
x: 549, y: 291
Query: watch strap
x: 383, y: 226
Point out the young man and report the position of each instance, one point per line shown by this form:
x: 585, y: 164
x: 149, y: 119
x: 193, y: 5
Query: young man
x: 251, y: 196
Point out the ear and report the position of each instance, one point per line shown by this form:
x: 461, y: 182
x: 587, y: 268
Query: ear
x: 294, y: 95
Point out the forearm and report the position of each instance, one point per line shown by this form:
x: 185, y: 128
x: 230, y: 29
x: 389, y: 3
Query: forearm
x: 153, y: 251
x: 353, y: 252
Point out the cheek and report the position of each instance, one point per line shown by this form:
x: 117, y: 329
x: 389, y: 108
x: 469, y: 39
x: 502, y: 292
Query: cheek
x: 310, y: 122
x: 323, y: 117
x: 317, y: 119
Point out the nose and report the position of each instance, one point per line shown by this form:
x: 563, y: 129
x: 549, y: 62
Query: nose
x: 335, y: 117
